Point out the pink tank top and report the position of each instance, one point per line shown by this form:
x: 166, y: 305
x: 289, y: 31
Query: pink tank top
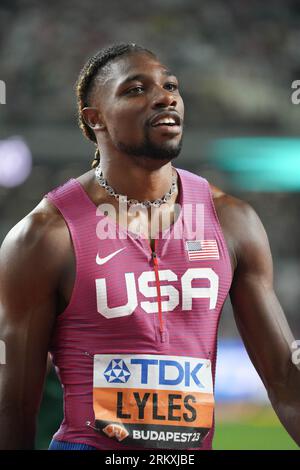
x: 135, y: 349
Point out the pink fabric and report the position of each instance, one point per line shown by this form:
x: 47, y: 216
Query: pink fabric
x: 81, y: 331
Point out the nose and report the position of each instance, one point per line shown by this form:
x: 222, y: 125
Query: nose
x: 163, y: 99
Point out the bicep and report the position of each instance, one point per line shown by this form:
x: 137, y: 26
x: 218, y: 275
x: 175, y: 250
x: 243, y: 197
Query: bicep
x: 258, y: 313
x: 27, y: 314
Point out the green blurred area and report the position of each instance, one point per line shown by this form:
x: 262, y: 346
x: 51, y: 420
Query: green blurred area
x: 259, y: 163
x: 246, y: 436
x: 241, y: 426
x: 51, y: 411
x: 249, y: 426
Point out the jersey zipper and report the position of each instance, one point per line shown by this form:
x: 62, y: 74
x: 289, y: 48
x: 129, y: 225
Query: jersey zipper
x: 160, y: 316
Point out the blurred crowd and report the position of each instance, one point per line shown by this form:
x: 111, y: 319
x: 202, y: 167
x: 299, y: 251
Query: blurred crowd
x: 235, y: 61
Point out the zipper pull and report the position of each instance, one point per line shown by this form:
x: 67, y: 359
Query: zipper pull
x: 154, y: 257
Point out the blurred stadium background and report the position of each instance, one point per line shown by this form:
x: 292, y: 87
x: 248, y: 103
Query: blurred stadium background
x: 236, y: 62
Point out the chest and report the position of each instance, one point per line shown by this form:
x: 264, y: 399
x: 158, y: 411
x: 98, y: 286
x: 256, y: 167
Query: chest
x: 128, y: 276
x: 126, y: 299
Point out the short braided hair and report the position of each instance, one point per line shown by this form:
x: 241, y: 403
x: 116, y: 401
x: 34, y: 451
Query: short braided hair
x: 86, y: 80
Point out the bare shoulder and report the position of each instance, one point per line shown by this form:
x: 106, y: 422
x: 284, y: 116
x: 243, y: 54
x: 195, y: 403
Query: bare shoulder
x: 241, y: 225
x: 38, y: 225
x: 41, y: 235
x: 229, y: 205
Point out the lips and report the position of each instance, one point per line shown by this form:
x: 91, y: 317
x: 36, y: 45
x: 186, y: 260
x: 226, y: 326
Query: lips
x: 166, y: 119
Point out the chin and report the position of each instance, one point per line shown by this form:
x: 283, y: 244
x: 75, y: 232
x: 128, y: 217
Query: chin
x: 166, y: 152
x: 165, y: 156
x: 152, y: 150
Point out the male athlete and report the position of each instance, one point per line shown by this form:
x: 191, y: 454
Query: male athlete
x: 128, y: 309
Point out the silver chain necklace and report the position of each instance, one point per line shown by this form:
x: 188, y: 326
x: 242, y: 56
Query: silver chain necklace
x: 132, y: 202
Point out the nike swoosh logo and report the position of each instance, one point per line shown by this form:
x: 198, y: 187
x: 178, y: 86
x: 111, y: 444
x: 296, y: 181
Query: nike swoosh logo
x: 101, y: 261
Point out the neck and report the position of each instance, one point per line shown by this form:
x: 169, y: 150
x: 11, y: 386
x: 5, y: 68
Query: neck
x: 138, y: 178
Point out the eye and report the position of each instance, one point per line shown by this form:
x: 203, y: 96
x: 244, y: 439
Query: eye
x: 171, y: 86
x: 137, y: 90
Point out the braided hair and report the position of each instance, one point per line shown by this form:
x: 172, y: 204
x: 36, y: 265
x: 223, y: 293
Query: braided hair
x: 86, y: 81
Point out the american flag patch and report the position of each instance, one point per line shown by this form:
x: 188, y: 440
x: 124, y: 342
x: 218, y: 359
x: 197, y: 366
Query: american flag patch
x: 202, y: 249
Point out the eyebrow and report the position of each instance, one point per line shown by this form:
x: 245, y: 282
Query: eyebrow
x: 142, y: 76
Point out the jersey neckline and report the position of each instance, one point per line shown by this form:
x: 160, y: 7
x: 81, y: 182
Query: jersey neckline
x: 160, y: 234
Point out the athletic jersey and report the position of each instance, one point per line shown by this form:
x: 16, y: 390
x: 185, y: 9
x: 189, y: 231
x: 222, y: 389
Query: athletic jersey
x: 135, y: 349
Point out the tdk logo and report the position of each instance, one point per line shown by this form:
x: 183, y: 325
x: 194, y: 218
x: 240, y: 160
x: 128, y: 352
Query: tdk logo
x: 170, y: 372
x: 153, y: 372
x: 165, y: 371
x: 117, y: 372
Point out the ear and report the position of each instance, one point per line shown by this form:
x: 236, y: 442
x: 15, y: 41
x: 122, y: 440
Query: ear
x: 92, y: 118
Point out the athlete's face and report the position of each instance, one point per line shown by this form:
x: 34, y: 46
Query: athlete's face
x: 136, y: 92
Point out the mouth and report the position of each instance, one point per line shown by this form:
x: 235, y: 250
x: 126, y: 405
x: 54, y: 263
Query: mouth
x: 167, y: 130
x: 166, y: 123
x: 166, y: 120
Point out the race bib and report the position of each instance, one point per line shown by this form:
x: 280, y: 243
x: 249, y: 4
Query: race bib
x: 153, y: 401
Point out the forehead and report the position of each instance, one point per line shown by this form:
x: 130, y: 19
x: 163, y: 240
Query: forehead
x: 135, y: 62
x: 128, y: 65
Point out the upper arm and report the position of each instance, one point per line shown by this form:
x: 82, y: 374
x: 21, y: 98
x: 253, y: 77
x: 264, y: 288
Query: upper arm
x: 29, y: 273
x: 258, y: 313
